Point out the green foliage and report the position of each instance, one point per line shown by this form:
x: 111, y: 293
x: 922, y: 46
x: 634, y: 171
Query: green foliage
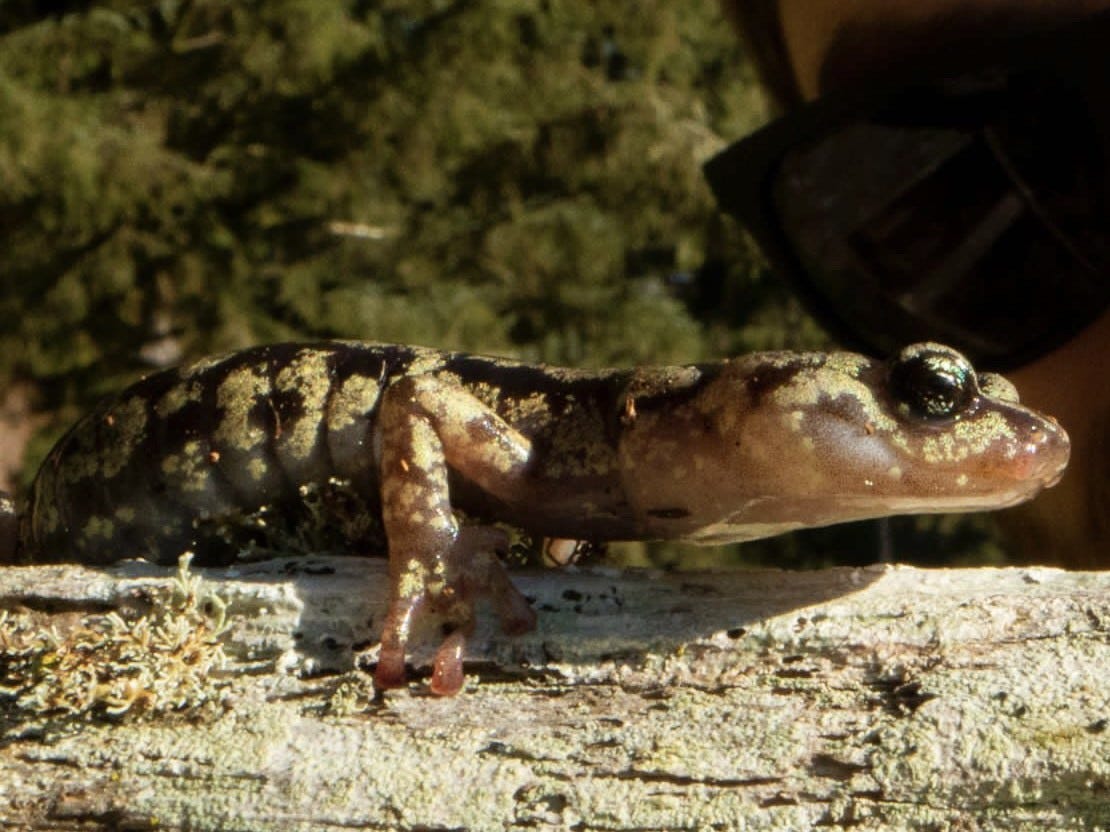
x: 519, y: 177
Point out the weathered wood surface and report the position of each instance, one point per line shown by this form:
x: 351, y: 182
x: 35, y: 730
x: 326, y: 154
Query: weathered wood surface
x: 874, y: 699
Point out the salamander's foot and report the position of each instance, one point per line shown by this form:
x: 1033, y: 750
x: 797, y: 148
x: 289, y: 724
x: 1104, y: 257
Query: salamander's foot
x: 446, y: 590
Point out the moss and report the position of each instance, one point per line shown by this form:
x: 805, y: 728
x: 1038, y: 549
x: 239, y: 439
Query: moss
x: 116, y: 665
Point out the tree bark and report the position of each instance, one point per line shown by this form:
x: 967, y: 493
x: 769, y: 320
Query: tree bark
x: 883, y: 698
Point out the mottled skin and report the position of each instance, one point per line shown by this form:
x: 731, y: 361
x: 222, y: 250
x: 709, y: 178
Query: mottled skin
x: 403, y: 441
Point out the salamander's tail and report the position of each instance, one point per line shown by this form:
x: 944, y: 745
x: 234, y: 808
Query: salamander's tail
x: 9, y: 529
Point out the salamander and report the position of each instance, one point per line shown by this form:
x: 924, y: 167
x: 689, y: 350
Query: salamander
x: 430, y: 455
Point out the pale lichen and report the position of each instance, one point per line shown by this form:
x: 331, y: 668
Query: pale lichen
x: 116, y: 664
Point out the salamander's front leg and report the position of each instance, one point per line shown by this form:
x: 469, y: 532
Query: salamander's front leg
x: 438, y: 568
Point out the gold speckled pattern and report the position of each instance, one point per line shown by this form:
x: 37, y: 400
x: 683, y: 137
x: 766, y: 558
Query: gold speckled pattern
x: 355, y: 398
x: 189, y: 469
x: 307, y: 376
x: 125, y: 429
x: 236, y: 398
x: 178, y: 396
x: 971, y: 438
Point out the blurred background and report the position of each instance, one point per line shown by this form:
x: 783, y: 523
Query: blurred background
x: 520, y: 177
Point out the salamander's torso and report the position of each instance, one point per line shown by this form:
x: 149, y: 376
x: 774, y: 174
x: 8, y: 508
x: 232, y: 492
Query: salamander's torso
x: 227, y: 450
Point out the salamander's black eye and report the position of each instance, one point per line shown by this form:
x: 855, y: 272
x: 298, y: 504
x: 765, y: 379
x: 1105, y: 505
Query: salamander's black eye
x: 933, y: 381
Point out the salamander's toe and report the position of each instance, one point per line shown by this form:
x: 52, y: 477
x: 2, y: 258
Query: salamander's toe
x: 447, y: 674
x: 451, y: 585
x: 403, y: 612
x: 390, y: 672
x: 487, y: 577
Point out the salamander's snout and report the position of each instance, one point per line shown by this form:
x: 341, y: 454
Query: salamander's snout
x: 1045, y: 454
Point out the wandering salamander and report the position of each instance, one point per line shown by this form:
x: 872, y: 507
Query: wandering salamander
x: 423, y: 452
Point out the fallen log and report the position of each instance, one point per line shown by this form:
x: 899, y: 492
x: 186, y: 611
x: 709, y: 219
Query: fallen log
x: 879, y: 698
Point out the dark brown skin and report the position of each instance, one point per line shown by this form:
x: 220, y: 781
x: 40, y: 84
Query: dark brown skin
x: 388, y: 444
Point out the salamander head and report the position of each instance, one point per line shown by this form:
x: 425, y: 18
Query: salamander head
x: 788, y: 440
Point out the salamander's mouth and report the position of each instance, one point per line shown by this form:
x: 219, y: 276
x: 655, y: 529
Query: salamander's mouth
x: 1055, y: 477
